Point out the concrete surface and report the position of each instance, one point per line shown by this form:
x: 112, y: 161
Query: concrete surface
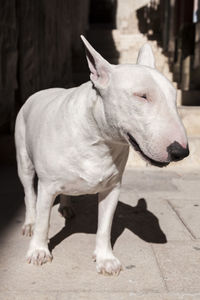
x: 156, y: 235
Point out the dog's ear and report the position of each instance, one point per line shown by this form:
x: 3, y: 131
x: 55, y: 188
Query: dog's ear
x: 99, y: 67
x: 146, y: 56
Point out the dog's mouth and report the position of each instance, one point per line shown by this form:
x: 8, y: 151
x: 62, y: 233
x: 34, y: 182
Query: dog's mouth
x: 148, y: 159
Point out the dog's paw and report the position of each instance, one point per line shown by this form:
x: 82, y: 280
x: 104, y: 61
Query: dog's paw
x: 27, y: 229
x: 108, y: 266
x: 66, y: 212
x: 39, y: 256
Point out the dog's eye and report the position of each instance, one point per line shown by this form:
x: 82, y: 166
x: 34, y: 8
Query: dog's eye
x: 144, y: 96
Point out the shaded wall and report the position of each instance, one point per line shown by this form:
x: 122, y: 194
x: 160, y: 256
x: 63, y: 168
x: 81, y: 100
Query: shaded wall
x: 8, y: 58
x: 37, y: 40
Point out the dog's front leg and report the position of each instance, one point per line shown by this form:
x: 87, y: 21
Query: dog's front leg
x: 106, y: 262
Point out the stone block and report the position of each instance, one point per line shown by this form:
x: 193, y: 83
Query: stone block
x: 179, y: 265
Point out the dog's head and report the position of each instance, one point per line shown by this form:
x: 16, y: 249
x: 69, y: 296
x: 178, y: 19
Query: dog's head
x: 140, y: 104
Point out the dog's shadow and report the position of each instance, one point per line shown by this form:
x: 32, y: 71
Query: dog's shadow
x: 137, y: 219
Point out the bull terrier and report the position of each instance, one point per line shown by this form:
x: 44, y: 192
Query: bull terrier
x: 77, y: 142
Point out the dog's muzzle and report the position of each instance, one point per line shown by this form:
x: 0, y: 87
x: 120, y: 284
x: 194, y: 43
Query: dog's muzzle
x: 148, y: 159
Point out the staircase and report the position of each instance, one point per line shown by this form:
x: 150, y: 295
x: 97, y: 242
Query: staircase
x: 120, y: 48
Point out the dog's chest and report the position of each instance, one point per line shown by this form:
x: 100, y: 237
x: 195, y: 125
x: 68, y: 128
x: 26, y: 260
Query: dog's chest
x: 98, y: 174
x: 93, y: 172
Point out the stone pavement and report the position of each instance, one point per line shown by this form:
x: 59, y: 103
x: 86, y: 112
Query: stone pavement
x: 156, y: 235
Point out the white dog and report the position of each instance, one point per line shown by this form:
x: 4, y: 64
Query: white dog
x: 77, y: 141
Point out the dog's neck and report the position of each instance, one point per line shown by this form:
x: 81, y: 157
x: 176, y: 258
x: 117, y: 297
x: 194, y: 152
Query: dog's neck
x: 109, y: 133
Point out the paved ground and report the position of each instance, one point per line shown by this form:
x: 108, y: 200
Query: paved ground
x: 156, y: 235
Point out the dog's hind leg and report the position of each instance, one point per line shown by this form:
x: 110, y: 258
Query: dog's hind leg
x: 65, y: 208
x: 38, y: 252
x: 27, y: 179
x: 26, y: 174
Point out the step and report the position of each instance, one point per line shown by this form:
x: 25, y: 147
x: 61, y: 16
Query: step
x: 191, y: 97
x: 105, y: 36
x: 190, y: 116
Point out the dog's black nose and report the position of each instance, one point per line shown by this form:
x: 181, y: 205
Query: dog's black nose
x: 177, y: 152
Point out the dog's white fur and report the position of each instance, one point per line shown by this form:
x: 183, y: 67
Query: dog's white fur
x: 76, y: 141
